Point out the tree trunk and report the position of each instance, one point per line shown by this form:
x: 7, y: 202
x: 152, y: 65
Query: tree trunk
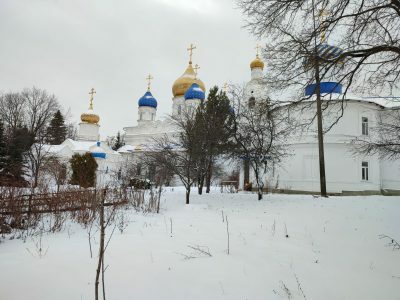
x: 322, y: 177
x: 201, y: 184
x: 187, y: 195
x: 260, y: 193
x: 101, y: 246
x: 208, y: 177
x: 159, y: 197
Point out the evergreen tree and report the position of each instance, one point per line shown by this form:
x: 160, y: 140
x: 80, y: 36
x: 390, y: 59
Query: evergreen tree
x: 20, y: 142
x: 57, y: 130
x: 84, y: 169
x: 118, y: 142
x: 3, y: 150
x: 214, y: 133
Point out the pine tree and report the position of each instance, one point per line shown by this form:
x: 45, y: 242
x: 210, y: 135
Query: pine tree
x: 118, y: 142
x: 20, y: 142
x: 3, y: 150
x: 57, y: 130
x: 84, y: 169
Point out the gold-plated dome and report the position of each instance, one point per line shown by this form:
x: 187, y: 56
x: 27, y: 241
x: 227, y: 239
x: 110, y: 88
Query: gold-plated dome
x: 257, y: 63
x: 181, y: 85
x: 90, y: 116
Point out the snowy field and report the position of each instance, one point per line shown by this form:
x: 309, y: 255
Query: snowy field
x: 332, y: 252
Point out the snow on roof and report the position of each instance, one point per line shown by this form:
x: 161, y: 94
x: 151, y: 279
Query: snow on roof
x: 52, y: 148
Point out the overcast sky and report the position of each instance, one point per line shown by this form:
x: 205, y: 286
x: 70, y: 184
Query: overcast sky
x: 69, y: 46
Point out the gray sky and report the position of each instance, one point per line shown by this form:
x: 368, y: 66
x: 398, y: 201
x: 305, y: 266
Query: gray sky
x: 69, y: 46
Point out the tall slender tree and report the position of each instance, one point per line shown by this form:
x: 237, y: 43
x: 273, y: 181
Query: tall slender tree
x: 57, y: 130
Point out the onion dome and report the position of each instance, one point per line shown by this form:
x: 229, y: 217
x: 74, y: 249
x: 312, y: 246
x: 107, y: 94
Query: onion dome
x: 98, y: 152
x: 195, y: 92
x: 182, y: 84
x: 147, y: 100
x: 90, y: 117
x: 328, y: 52
x: 257, y: 63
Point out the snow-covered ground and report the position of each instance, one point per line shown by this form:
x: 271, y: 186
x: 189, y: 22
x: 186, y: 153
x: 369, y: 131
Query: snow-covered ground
x: 332, y: 252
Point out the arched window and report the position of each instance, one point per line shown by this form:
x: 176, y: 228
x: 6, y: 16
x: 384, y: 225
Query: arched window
x: 252, y: 102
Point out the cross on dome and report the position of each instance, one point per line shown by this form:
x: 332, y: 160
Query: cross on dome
x: 321, y: 17
x: 196, y: 67
x: 149, y: 78
x: 258, y: 47
x: 190, y: 49
x: 91, y: 93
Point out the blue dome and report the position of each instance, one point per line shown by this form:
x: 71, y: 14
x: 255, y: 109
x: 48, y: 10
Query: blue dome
x: 328, y: 52
x: 148, y: 100
x: 195, y: 92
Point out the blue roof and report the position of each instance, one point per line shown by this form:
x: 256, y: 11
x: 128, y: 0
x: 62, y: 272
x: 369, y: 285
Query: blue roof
x: 98, y: 152
x: 148, y: 100
x: 195, y: 92
x: 326, y: 87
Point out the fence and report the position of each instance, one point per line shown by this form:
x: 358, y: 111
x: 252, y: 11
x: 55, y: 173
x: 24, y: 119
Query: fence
x: 12, y: 201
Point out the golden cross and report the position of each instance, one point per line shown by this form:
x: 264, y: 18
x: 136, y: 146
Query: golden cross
x: 196, y: 67
x: 149, y: 78
x: 91, y: 93
x: 190, y: 49
x: 258, y: 47
x: 321, y: 15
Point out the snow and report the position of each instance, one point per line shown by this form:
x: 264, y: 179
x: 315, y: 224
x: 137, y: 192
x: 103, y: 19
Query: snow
x: 333, y: 250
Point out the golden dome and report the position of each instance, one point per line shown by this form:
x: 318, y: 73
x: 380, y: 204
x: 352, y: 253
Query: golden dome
x: 257, y: 63
x: 90, y: 117
x: 185, y: 81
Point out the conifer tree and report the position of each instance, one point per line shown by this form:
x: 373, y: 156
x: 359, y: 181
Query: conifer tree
x: 20, y: 142
x: 118, y: 142
x: 57, y: 130
x: 84, y: 168
x: 3, y: 150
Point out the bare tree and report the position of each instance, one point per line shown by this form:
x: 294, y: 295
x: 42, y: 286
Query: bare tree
x: 39, y: 109
x: 57, y: 170
x: 12, y: 110
x: 367, y: 32
x: 260, y: 132
x: 383, y: 138
x: 178, y: 153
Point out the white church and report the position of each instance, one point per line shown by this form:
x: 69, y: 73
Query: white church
x: 346, y: 173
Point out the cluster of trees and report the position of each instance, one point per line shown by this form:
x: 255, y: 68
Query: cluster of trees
x: 225, y: 127
x: 28, y: 120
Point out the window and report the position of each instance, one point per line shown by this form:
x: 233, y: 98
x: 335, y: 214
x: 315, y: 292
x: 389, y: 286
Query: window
x: 252, y: 102
x: 364, y: 128
x: 179, y: 110
x: 364, y: 170
x: 140, y: 116
x: 152, y: 117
